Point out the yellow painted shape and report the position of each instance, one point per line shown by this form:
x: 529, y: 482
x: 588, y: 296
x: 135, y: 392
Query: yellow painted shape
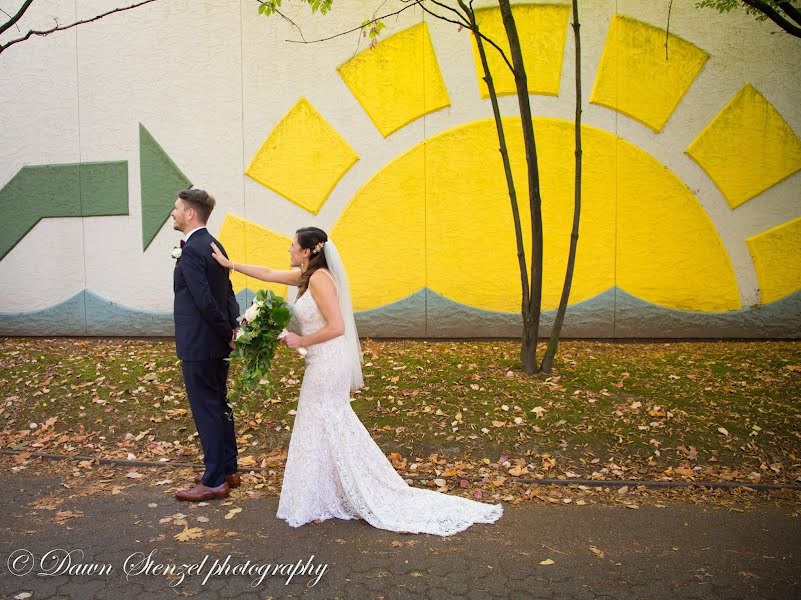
x: 470, y: 237
x: 303, y: 158
x: 248, y: 243
x: 381, y: 234
x: 636, y: 79
x: 668, y: 250
x: 777, y: 260
x: 542, y: 29
x: 747, y: 148
x: 398, y: 81
x: 453, y: 231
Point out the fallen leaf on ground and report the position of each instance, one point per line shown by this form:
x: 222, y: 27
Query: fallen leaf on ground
x: 189, y: 533
x: 247, y: 461
x: 65, y: 515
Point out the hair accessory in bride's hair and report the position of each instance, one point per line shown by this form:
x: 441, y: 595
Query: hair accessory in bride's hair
x: 318, y: 247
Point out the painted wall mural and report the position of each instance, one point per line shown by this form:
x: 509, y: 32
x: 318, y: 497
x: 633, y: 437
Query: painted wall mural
x: 691, y: 218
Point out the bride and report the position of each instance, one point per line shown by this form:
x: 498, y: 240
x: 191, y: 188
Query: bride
x: 334, y: 469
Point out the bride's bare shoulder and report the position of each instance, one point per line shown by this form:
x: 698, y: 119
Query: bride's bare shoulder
x: 322, y: 274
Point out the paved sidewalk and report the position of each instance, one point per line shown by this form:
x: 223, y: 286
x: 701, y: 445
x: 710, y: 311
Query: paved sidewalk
x: 680, y: 551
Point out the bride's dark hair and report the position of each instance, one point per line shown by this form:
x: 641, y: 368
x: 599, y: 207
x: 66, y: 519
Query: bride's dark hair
x: 311, y: 238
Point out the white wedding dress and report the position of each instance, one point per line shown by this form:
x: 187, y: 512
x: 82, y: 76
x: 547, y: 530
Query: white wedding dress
x: 334, y: 469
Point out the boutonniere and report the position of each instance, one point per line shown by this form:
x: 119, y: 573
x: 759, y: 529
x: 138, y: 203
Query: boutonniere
x: 176, y: 252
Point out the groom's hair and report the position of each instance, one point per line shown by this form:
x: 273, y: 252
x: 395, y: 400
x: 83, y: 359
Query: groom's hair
x: 200, y: 200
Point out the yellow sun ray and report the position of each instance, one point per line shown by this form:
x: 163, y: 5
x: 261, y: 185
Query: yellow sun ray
x: 303, y: 158
x: 250, y: 243
x: 747, y: 148
x: 637, y: 78
x: 399, y: 81
x: 777, y: 260
x: 542, y: 29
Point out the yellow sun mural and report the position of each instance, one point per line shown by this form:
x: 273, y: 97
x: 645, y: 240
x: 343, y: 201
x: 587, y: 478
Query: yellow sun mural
x: 437, y: 216
x: 690, y: 225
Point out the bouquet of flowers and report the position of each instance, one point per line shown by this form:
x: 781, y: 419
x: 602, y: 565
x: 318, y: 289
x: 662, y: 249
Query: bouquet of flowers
x: 263, y: 324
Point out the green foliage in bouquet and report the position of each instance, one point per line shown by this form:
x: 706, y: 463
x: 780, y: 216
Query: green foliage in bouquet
x: 258, y: 339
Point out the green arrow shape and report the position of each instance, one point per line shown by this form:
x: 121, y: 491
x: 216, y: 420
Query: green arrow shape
x: 161, y: 181
x: 69, y: 190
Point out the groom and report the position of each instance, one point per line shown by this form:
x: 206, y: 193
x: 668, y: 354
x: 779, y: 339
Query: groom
x: 205, y: 327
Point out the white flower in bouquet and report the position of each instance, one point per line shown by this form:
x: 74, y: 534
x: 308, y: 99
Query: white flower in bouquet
x: 253, y: 311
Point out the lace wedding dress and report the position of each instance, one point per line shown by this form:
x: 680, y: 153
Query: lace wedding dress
x: 334, y: 469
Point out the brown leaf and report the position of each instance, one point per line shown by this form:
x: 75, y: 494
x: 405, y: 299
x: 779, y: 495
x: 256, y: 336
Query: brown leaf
x: 189, y: 533
x: 397, y: 460
x: 65, y: 515
x: 233, y: 512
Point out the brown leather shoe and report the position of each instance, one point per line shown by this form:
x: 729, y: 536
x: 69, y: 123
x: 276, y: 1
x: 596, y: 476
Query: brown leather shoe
x: 233, y: 479
x: 202, y: 492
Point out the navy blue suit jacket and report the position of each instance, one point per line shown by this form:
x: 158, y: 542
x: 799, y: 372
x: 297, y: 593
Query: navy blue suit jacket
x: 205, y: 308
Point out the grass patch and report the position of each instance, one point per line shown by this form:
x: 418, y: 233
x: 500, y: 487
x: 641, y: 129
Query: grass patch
x: 705, y: 410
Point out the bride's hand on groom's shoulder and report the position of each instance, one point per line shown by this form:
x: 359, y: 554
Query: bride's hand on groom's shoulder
x: 218, y: 256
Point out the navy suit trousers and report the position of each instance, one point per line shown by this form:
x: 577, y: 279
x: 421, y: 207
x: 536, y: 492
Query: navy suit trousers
x: 206, y: 386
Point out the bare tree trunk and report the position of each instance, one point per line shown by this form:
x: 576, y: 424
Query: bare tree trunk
x: 553, y: 343
x: 507, y: 168
x: 531, y: 313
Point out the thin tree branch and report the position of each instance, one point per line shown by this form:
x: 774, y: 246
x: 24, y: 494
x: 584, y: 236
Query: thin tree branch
x: 9, y: 16
x: 556, y: 330
x: 380, y: 6
x: 441, y: 18
x: 360, y: 28
x: 471, y: 28
x: 767, y: 10
x: 291, y: 22
x: 16, y: 17
x: 667, y: 30
x: 470, y: 11
x: 507, y: 166
x: 466, y: 25
x: 499, y: 49
x: 62, y: 28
